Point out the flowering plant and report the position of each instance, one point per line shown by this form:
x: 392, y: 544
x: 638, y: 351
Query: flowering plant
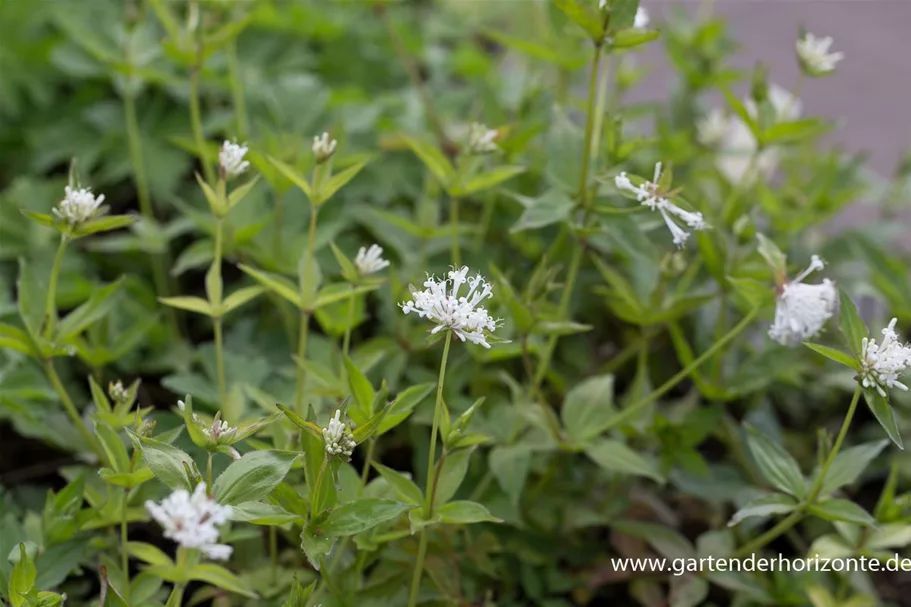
x: 634, y: 333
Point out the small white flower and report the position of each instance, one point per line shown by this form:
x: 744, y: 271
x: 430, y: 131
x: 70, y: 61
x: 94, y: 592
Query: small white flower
x: 801, y: 309
x: 712, y: 128
x: 231, y: 159
x: 602, y: 4
x: 323, y: 147
x: 814, y: 55
x: 78, y: 205
x: 117, y: 392
x: 370, y: 261
x: 338, y: 437
x: 883, y: 363
x: 441, y: 303
x: 219, y: 430
x: 641, y: 21
x: 481, y: 140
x: 192, y: 520
x: 650, y: 195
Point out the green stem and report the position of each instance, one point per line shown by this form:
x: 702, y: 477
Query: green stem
x: 589, y: 127
x: 209, y: 488
x: 346, y: 341
x: 237, y: 89
x: 273, y: 553
x: 454, y: 226
x: 160, y: 262
x: 124, y: 555
x: 50, y: 304
x: 305, y: 318
x: 820, y: 480
x: 71, y: 409
x: 634, y: 408
x: 368, y: 459
x: 544, y: 362
x: 217, y: 321
x: 431, y: 476
x: 196, y: 124
x: 783, y: 526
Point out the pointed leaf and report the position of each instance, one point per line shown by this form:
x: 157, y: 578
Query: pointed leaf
x: 776, y: 464
x: 767, y: 505
x: 252, y: 477
x: 882, y: 410
x: 358, y: 516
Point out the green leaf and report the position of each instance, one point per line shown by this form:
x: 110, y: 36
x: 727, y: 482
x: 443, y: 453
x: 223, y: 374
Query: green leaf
x: 42, y: 219
x: 361, y: 390
x: 214, y: 285
x: 465, y: 512
x: 852, y: 326
x: 189, y: 303
x: 166, y: 462
x: 339, y: 180
x: 433, y: 159
x: 252, y: 477
x: 560, y: 328
x: 15, y: 339
x: 487, y: 180
x: 147, y: 553
x: 22, y: 578
x: 103, y: 224
x: 300, y: 422
x: 30, y: 299
x: 776, y: 464
x: 368, y: 428
x: 767, y: 505
x: 585, y: 16
x: 403, y: 485
x: 551, y: 207
x: 633, y: 37
x: 882, y: 410
x: 97, y: 306
x: 795, y: 130
x: 841, y: 510
x: 452, y: 473
x: 355, y: 517
x: 275, y: 283
x: 510, y: 464
x: 836, y: 355
x: 221, y: 578
x: 299, y: 595
x: 261, y: 513
x: 849, y: 464
x: 292, y: 175
x: 588, y: 408
x: 316, y: 545
x: 750, y: 290
x: 113, y: 447
x: 614, y: 456
x: 778, y: 261
x: 240, y: 192
x: 404, y: 404
x: 240, y: 297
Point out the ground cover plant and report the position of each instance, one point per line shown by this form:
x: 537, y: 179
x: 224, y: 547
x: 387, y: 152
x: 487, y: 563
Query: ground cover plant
x: 395, y: 303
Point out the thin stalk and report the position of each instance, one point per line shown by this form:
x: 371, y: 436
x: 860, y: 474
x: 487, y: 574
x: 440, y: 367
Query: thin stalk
x: 305, y: 320
x: 589, y: 127
x: 209, y: 488
x: 431, y: 477
x: 368, y: 459
x: 783, y: 526
x: 634, y: 408
x: 160, y: 262
x: 124, y: 556
x: 820, y: 480
x: 50, y: 304
x: 237, y: 89
x: 346, y: 341
x: 71, y: 408
x: 217, y: 321
x: 455, y: 252
x: 196, y: 124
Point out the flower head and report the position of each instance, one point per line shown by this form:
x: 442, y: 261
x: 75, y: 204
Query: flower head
x: 117, y: 392
x: 481, y: 140
x: 884, y: 362
x: 323, y: 147
x: 801, y: 309
x: 462, y: 314
x: 814, y: 56
x: 231, y: 159
x: 712, y: 128
x: 649, y: 194
x: 641, y: 21
x: 370, y: 261
x: 338, y: 437
x: 191, y: 520
x: 218, y: 430
x: 78, y: 205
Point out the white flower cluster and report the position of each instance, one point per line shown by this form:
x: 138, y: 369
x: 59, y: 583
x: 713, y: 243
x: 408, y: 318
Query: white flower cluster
x: 338, y: 437
x: 884, y: 362
x: 463, y: 315
x: 814, y: 54
x: 217, y: 430
x: 650, y: 195
x: 231, y: 159
x: 481, y: 140
x: 801, y: 309
x: 712, y: 128
x: 117, y: 392
x: 323, y: 147
x: 192, y: 520
x: 78, y: 205
x: 370, y: 261
x: 738, y: 146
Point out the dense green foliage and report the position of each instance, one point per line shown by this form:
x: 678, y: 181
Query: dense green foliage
x: 631, y: 402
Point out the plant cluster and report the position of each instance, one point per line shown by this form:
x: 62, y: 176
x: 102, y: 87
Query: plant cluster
x: 220, y: 384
